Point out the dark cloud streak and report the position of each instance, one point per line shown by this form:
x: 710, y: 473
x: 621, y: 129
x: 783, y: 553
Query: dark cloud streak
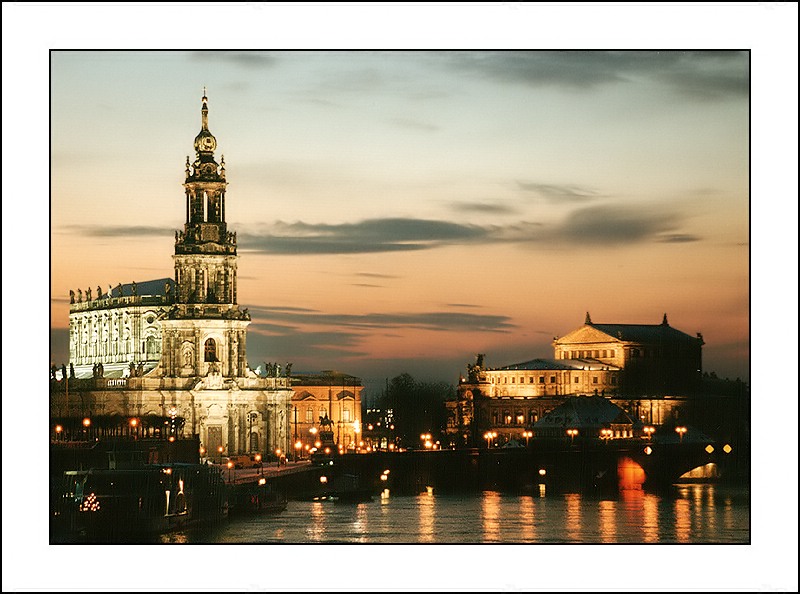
x: 696, y: 74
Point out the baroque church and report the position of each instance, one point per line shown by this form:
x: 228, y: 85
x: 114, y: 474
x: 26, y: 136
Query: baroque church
x: 177, y: 348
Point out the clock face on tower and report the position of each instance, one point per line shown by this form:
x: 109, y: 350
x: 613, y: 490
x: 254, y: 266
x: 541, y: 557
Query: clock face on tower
x: 205, y: 143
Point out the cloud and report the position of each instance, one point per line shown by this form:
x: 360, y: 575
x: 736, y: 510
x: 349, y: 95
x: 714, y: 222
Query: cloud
x: 369, y: 236
x: 120, y: 230
x: 618, y: 224
x: 483, y: 207
x: 612, y: 224
x: 439, y: 321
x: 248, y: 59
x: 560, y: 192
x: 376, y: 275
x: 703, y: 75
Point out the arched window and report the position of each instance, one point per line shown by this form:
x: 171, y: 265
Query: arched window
x: 211, y: 350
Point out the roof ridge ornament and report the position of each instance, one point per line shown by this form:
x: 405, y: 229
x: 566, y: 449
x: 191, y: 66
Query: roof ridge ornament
x: 664, y: 322
x: 588, y: 319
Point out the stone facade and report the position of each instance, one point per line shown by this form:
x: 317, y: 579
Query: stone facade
x: 647, y: 370
x: 177, y: 348
x: 335, y: 395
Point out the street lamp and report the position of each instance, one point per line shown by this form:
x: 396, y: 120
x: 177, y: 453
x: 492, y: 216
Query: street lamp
x: 298, y: 447
x: 278, y: 455
x: 260, y: 465
x: 680, y: 431
x: 220, y: 449
x: 426, y: 440
x: 58, y: 429
x: 572, y: 433
x: 649, y: 431
x: 87, y: 422
x: 134, y: 422
x: 527, y: 435
x: 606, y: 434
x: 230, y: 470
x: 489, y: 436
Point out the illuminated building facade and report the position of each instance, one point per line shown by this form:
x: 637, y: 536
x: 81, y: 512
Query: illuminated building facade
x: 647, y: 370
x: 331, y: 394
x: 177, y: 347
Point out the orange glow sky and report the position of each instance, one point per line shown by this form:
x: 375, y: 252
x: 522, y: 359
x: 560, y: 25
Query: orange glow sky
x: 402, y: 211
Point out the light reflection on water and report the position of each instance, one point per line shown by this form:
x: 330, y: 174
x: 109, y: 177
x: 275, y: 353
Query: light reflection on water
x: 687, y: 514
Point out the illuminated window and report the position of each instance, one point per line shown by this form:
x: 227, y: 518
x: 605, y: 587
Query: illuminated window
x: 211, y: 350
x: 309, y: 414
x: 506, y: 417
x: 346, y: 415
x: 520, y: 418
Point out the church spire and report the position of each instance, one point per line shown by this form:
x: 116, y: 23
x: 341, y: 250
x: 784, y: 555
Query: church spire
x: 204, y: 111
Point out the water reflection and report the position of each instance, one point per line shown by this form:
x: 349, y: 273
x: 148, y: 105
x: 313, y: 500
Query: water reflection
x: 527, y: 519
x: 490, y: 514
x: 316, y: 528
x: 608, y: 521
x: 573, y: 516
x: 683, y: 519
x: 686, y: 514
x: 427, y: 517
x: 650, y: 523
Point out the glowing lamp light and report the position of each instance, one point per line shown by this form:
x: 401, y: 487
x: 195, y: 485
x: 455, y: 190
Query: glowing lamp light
x: 323, y: 479
x: 172, y: 438
x: 384, y: 477
x: 87, y: 421
x: 262, y: 481
x: 202, y: 451
x: 710, y: 448
x: 133, y: 422
x: 648, y: 450
x: 727, y: 449
x: 59, y: 428
x: 327, y: 450
x: 542, y: 472
x: 230, y: 464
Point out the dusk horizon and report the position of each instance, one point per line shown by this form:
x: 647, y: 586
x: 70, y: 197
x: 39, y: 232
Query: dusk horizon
x: 472, y: 202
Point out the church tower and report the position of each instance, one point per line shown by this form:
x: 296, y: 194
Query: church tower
x: 204, y: 332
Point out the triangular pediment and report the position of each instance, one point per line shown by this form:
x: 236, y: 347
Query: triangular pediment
x: 304, y: 395
x: 587, y: 335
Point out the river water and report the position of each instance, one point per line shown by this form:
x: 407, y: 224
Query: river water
x: 686, y: 513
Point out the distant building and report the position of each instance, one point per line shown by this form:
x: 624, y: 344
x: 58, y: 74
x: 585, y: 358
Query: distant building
x: 646, y: 369
x: 330, y: 394
x: 656, y: 359
x: 170, y: 356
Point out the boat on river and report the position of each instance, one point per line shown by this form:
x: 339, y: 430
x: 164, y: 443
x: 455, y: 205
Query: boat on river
x: 127, y: 504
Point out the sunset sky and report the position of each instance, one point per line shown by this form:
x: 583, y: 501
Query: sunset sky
x: 404, y: 210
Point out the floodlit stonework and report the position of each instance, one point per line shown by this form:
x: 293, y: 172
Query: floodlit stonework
x: 176, y: 349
